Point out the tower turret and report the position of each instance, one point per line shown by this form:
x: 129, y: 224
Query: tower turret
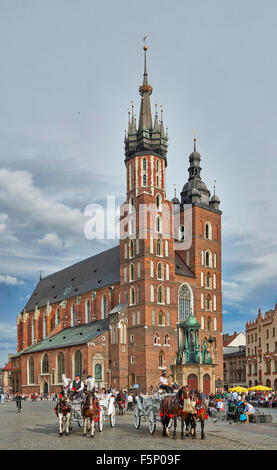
x: 146, y: 138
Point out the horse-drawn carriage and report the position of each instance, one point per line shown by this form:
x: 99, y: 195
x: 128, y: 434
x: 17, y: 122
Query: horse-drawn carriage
x: 87, y: 410
x: 147, y: 408
x: 107, y: 410
x: 167, y: 408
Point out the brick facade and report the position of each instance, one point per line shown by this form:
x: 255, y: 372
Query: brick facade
x: 153, y: 270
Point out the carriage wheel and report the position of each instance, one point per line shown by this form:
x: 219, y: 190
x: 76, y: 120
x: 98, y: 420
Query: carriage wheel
x: 137, y: 417
x: 152, y: 422
x: 101, y: 421
x: 112, y: 420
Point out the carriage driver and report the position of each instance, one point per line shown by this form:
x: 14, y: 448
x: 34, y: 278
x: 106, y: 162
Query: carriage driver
x: 76, y: 388
x: 164, y: 382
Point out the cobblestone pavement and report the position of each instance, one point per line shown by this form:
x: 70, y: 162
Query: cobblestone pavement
x: 36, y: 427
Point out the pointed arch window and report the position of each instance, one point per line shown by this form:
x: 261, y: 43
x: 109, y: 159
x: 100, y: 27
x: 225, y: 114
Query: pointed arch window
x: 31, y: 371
x: 60, y: 366
x: 131, y: 272
x: 160, y: 271
x: 160, y: 295
x: 78, y: 364
x: 166, y: 340
x: 208, y: 281
x: 156, y: 339
x: 158, y: 224
x: 132, y: 296
x: 132, y: 249
x: 184, y: 302
x: 144, y: 180
x: 161, y: 359
x: 45, y: 364
x: 208, y: 303
x: 158, y: 202
x: 161, y: 318
x: 159, y: 247
x: 208, y: 231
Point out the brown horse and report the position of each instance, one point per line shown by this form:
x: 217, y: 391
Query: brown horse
x: 189, y: 407
x: 90, y: 412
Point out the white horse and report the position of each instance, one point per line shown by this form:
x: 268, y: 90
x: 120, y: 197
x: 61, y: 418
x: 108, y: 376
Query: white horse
x: 63, y: 411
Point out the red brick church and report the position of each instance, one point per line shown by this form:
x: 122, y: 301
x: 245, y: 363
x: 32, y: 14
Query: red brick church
x: 119, y: 316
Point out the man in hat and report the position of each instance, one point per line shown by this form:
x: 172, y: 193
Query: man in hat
x: 76, y: 388
x: 164, y: 383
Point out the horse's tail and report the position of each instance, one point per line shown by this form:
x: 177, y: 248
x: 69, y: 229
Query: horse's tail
x: 164, y: 411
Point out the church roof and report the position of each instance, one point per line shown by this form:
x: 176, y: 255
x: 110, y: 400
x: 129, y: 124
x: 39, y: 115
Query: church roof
x: 72, y: 336
x: 92, y: 273
x: 181, y: 268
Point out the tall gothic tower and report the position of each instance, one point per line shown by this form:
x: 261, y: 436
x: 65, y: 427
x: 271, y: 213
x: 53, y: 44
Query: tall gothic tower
x: 162, y: 281
x: 147, y: 253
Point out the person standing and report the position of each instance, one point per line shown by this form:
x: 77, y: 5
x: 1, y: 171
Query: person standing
x: 130, y: 402
x: 18, y: 400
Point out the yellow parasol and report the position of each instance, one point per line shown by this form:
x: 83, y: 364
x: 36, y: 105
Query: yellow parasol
x: 259, y: 388
x: 238, y: 389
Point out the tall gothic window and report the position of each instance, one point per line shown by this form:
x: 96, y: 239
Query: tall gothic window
x: 208, y: 303
x: 144, y: 165
x: 45, y: 364
x: 131, y: 272
x: 185, y: 303
x: 132, y: 296
x: 78, y: 363
x: 132, y: 249
x: 160, y: 295
x: 158, y: 202
x: 60, y: 366
x: 159, y: 247
x: 158, y: 224
x: 31, y: 371
x: 144, y: 180
x: 160, y: 271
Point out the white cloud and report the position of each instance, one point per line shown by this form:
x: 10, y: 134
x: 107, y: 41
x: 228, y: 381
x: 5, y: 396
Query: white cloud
x: 29, y: 207
x: 231, y: 292
x: 51, y: 240
x: 10, y: 280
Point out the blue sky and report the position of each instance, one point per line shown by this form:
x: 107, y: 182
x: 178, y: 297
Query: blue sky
x: 69, y: 72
